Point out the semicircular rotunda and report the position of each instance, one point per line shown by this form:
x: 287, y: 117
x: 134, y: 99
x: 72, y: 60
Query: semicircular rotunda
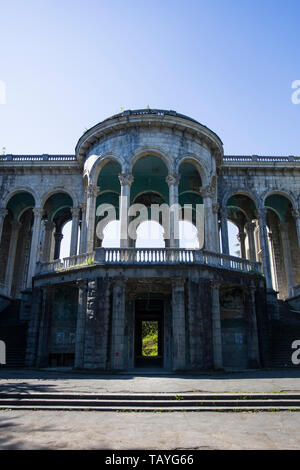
x: 148, y: 248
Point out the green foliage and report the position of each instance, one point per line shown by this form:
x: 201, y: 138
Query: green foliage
x: 150, y: 338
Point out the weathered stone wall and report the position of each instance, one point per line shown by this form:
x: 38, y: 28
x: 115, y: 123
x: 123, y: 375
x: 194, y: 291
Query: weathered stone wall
x: 96, y: 344
x: 233, y: 324
x: 63, y: 320
x: 200, y: 324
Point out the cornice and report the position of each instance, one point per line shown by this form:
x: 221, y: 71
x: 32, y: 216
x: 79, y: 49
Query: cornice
x: 149, y: 119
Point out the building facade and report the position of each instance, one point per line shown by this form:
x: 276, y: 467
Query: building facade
x: 210, y: 309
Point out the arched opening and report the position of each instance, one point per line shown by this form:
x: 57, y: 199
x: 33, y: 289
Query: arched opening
x: 191, y: 227
x: 57, y: 213
x: 241, y: 211
x: 234, y: 244
x: 149, y: 174
x: 283, y: 244
x: 111, y: 235
x: 16, y: 243
x: 150, y: 234
x: 188, y: 235
x: 107, y: 205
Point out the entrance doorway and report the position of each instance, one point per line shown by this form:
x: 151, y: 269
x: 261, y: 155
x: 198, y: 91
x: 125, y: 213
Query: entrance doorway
x: 148, y: 333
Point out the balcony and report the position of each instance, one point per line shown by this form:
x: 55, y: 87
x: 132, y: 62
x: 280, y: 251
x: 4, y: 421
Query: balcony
x: 149, y: 256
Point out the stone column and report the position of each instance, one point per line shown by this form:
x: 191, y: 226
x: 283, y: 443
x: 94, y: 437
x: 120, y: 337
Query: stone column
x: 58, y: 236
x: 178, y: 324
x: 3, y: 214
x: 82, y: 228
x: 250, y: 227
x: 273, y: 261
x: 15, y: 227
x: 207, y: 194
x: 252, y: 334
x: 215, y: 210
x: 38, y: 212
x: 173, y: 183
x: 49, y: 227
x: 224, y: 230
x: 241, y: 238
x: 80, y: 325
x: 92, y: 191
x: 118, y: 326
x: 126, y: 180
x: 287, y: 257
x: 296, y: 215
x: 262, y: 213
x: 74, y: 232
x: 216, y: 326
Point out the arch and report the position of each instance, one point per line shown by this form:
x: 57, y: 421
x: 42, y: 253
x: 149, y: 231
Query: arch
x: 278, y: 203
x: 148, y: 192
x: 286, y: 194
x: 235, y: 192
x: 199, y: 165
x: 155, y: 151
x: 100, y: 162
x: 21, y: 189
x: 17, y: 205
x: 59, y: 190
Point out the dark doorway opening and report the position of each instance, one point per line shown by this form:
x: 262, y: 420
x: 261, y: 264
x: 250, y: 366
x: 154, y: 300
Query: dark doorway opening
x: 149, y: 333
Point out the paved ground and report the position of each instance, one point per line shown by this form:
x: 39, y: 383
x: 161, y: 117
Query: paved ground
x: 105, y: 430
x: 176, y: 430
x: 27, y: 381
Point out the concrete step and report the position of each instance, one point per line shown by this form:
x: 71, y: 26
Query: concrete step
x: 150, y: 402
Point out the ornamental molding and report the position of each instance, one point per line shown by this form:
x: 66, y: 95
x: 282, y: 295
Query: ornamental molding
x: 173, y: 179
x: 126, y: 179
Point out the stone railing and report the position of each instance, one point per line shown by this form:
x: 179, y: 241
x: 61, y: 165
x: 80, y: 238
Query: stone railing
x: 36, y: 158
x: 146, y: 256
x: 260, y: 158
x: 57, y: 265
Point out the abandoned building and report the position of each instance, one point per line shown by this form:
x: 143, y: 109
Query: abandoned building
x: 211, y: 310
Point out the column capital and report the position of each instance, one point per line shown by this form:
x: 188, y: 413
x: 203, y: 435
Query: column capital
x: 75, y: 211
x: 38, y: 212
x: 207, y: 191
x: 173, y: 179
x: 126, y: 179
x: 92, y: 190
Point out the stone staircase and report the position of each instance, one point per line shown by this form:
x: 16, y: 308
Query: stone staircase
x: 284, y: 332
x: 157, y: 402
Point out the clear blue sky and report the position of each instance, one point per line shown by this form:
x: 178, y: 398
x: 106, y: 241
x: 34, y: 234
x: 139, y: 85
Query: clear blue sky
x: 68, y: 64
